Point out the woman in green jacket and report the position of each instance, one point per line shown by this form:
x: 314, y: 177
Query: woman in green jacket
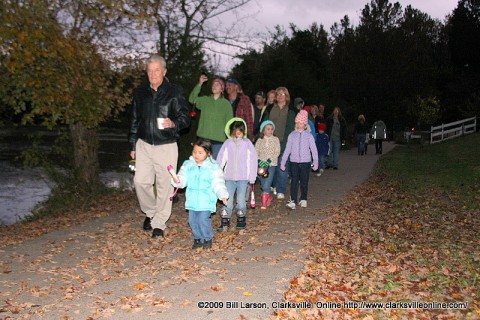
x: 215, y: 111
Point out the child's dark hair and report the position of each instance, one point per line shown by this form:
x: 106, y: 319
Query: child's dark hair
x: 205, y: 144
x: 237, y: 125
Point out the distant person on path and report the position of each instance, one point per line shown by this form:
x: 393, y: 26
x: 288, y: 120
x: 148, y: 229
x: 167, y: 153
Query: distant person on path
x: 259, y: 112
x: 337, y: 131
x: 298, y: 104
x: 238, y: 159
x: 271, y: 98
x: 367, y: 141
x: 323, y: 146
x: 205, y: 183
x: 312, y: 115
x: 320, y: 116
x: 360, y: 133
x: 311, y: 124
x: 215, y: 111
x: 268, y: 150
x: 300, y: 149
x: 159, y: 112
x: 379, y: 133
x: 284, y: 119
x: 241, y: 104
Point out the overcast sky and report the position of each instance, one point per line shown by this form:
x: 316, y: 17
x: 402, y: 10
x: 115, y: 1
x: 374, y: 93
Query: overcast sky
x: 266, y: 14
x: 304, y: 12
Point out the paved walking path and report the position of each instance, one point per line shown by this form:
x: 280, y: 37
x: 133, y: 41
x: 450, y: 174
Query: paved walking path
x: 110, y: 268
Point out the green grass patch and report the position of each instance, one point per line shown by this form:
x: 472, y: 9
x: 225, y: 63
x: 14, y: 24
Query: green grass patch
x: 451, y: 167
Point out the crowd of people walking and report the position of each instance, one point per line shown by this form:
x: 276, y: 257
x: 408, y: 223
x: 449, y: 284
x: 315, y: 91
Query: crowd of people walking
x: 239, y: 142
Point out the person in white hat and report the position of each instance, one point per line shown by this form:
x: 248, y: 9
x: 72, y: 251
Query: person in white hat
x: 268, y: 150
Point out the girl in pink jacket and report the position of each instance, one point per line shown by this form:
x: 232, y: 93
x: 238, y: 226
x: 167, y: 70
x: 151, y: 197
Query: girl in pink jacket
x: 301, y: 149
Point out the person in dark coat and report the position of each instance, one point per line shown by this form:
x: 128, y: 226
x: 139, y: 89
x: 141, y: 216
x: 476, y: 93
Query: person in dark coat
x: 337, y: 131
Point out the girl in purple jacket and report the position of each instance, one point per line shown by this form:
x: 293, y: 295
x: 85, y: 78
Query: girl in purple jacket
x: 301, y: 149
x: 239, y: 160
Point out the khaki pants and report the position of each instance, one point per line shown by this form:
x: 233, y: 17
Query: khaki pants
x: 151, y: 163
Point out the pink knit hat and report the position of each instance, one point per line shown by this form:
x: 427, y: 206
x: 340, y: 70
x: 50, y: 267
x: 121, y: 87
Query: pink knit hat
x: 302, y: 117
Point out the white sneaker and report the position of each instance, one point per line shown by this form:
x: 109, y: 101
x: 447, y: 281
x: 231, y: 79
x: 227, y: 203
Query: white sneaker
x: 303, y: 203
x: 319, y: 172
x: 291, y: 204
x: 280, y: 196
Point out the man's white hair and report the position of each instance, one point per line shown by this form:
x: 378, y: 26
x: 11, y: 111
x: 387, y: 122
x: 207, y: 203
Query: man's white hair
x: 157, y: 58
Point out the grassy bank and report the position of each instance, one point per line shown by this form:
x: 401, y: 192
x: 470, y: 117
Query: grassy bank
x: 407, y: 235
x: 451, y: 168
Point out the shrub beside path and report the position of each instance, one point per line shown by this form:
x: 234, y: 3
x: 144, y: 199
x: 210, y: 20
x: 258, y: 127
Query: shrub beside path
x: 110, y: 268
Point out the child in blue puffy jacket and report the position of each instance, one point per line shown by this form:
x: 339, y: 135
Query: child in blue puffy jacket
x: 205, y: 183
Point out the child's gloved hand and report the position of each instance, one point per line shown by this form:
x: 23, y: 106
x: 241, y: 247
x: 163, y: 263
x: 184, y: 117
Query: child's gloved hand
x: 315, y: 168
x: 282, y: 167
x: 264, y: 164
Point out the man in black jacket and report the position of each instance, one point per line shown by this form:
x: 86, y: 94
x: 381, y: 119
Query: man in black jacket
x: 159, y: 112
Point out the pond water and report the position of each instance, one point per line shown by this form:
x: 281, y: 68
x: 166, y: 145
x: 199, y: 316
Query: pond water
x: 21, y: 189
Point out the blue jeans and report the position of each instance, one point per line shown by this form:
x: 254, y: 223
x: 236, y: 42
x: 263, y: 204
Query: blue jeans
x: 322, y: 160
x: 266, y: 183
x: 201, y: 224
x: 360, y: 143
x: 335, y: 145
x: 281, y: 177
x: 240, y: 188
x: 216, y: 146
x: 300, y: 174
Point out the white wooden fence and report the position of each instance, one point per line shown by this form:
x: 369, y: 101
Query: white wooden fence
x: 453, y: 130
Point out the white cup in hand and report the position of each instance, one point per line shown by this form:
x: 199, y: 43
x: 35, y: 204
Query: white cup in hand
x: 160, y: 123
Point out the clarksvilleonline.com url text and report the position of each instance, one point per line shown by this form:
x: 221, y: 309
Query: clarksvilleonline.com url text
x: 330, y: 305
x: 392, y: 305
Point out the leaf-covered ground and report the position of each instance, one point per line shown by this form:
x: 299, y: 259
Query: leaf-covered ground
x: 378, y: 245
x: 384, y: 245
x: 104, y: 206
x: 114, y: 270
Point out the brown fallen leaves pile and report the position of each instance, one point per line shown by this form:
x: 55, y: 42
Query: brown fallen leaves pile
x: 384, y: 245
x: 379, y: 245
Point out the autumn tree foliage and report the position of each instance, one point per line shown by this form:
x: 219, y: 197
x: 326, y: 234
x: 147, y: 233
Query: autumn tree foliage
x: 54, y: 76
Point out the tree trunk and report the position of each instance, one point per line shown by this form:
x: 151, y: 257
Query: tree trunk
x: 85, y: 156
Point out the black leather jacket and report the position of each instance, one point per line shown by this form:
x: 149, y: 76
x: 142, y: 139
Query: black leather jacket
x: 148, y: 105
